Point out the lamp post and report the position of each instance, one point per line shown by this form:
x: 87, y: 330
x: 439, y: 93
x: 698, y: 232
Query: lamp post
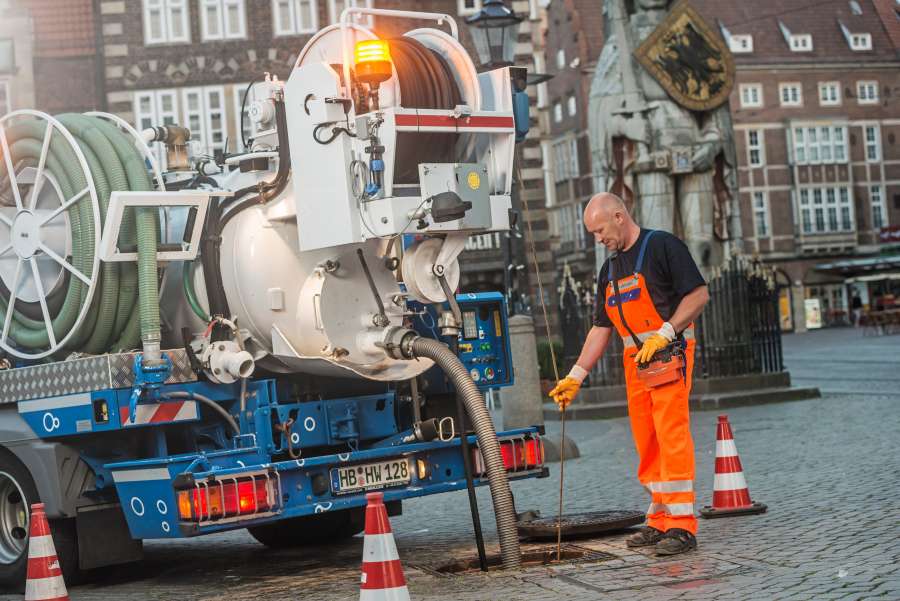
x: 495, y: 29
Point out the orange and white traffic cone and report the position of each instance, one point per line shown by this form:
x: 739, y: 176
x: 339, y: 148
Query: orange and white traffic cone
x: 730, y: 493
x: 44, y: 581
x: 382, y: 575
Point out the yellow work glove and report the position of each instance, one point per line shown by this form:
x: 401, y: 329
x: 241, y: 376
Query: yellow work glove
x: 568, y: 387
x: 565, y: 391
x: 655, y: 343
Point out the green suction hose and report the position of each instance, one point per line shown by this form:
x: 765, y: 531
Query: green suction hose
x: 113, y: 321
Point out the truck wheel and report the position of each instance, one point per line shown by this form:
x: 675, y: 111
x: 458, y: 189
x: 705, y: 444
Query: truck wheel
x: 17, y: 493
x: 311, y: 530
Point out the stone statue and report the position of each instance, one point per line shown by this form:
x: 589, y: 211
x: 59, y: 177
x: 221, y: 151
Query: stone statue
x: 673, y: 166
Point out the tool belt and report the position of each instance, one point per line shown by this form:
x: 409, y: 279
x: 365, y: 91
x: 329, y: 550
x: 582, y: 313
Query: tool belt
x: 668, y: 364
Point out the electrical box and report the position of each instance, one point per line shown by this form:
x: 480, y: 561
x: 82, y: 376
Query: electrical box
x: 457, y: 194
x: 483, y: 341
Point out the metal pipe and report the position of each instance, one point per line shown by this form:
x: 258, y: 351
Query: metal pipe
x: 180, y: 394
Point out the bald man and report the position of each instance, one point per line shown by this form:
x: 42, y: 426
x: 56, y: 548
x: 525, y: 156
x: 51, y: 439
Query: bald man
x: 649, y: 292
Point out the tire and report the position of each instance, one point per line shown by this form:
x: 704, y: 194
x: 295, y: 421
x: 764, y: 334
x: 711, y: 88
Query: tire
x: 17, y: 493
x: 310, y: 530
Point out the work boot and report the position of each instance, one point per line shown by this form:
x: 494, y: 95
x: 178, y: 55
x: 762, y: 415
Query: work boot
x: 644, y: 537
x: 676, y: 541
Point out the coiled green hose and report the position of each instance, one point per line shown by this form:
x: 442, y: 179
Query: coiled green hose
x: 114, y: 322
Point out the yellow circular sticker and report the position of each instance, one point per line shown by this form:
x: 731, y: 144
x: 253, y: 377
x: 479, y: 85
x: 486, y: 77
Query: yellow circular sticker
x: 474, y: 180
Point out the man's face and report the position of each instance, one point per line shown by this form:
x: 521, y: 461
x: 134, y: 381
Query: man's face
x: 607, y: 229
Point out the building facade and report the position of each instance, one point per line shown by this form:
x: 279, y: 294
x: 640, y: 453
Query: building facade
x: 816, y: 115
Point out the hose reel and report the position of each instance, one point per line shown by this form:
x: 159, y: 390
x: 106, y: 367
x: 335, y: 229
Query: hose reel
x: 56, y: 175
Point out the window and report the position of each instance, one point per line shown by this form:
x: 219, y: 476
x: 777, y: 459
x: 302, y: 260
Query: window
x: 7, y: 55
x: 860, y: 41
x: 557, y: 112
x: 223, y: 19
x: 879, y: 210
x: 5, y: 104
x: 825, y: 210
x: 565, y: 160
x: 761, y: 214
x: 873, y: 143
x: 820, y: 144
x: 741, y: 43
x: 468, y: 7
x: 152, y: 108
x: 801, y: 42
x: 755, y: 153
x: 294, y: 17
x: 561, y: 58
x: 572, y: 105
x: 204, y: 115
x: 867, y: 92
x: 336, y: 7
x: 166, y: 22
x: 829, y: 93
x: 539, y: 67
x: 751, y: 95
x: 791, y: 94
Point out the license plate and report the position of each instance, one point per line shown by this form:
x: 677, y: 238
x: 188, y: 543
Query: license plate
x: 393, y: 472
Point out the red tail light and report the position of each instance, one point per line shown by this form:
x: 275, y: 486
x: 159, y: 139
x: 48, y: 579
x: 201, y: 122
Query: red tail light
x: 224, y: 499
x: 518, y: 454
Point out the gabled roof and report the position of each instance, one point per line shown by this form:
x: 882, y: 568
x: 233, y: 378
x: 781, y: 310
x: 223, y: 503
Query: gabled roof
x: 768, y: 20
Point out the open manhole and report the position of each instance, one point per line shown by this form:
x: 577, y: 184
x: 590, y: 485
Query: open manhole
x: 580, y: 525
x: 530, y: 559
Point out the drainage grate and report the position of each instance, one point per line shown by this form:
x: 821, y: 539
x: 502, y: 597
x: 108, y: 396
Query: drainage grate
x: 581, y: 524
x: 530, y: 558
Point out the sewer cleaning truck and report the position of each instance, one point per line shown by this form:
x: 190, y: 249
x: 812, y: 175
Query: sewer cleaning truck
x: 194, y: 344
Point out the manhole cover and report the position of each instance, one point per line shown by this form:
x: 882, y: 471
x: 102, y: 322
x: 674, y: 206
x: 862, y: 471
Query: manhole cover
x: 581, y: 524
x: 530, y: 558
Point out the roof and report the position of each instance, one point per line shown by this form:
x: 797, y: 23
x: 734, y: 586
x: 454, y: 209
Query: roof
x: 889, y: 11
x: 62, y: 29
x: 769, y: 20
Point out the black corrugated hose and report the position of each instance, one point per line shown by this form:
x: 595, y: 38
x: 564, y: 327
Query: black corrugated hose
x: 504, y: 509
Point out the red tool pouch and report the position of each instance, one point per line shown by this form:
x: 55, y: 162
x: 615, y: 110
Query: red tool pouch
x: 667, y: 366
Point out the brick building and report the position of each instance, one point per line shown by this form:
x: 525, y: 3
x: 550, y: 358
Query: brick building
x: 48, y: 56
x: 817, y: 117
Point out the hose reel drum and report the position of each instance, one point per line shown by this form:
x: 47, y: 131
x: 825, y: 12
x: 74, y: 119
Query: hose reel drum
x: 50, y: 210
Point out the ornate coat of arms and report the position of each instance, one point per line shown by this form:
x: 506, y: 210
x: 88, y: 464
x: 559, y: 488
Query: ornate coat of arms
x: 689, y: 60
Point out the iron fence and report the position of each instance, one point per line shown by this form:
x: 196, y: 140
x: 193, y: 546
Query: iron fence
x: 738, y: 332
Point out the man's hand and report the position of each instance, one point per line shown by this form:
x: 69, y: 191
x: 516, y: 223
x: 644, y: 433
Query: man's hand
x: 655, y: 343
x: 565, y: 391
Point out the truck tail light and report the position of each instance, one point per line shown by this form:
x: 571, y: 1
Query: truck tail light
x: 518, y: 454
x: 227, y: 498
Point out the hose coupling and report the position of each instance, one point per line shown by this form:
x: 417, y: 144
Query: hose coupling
x: 398, y: 343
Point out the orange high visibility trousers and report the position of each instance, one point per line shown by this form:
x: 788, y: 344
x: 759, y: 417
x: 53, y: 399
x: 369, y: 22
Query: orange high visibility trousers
x: 660, y: 425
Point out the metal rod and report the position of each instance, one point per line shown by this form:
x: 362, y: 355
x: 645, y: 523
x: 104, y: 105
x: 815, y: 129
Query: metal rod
x: 470, y: 483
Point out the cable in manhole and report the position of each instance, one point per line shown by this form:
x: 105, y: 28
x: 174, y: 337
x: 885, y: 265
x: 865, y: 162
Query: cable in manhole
x: 530, y: 558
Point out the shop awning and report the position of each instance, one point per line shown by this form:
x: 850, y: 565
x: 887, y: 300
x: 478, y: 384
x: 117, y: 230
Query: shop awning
x: 868, y: 265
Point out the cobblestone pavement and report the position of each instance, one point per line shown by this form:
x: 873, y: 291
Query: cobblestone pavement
x: 827, y: 468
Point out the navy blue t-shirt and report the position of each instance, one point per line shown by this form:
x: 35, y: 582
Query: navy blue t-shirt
x: 669, y: 270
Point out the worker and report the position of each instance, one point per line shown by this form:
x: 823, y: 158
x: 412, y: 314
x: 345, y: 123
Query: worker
x: 650, y: 291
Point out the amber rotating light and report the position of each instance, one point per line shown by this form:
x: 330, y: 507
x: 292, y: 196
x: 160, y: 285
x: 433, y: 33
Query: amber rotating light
x: 372, y: 60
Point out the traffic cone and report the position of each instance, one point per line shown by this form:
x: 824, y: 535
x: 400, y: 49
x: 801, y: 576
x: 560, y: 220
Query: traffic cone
x: 382, y: 575
x: 44, y: 581
x: 730, y: 493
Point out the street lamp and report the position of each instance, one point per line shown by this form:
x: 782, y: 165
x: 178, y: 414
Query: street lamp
x: 495, y: 30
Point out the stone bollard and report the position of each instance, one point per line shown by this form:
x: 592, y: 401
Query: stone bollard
x: 523, y: 402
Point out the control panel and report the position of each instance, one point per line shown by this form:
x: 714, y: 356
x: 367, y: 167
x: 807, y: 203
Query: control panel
x: 483, y: 342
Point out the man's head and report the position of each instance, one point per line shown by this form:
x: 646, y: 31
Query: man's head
x: 608, y: 220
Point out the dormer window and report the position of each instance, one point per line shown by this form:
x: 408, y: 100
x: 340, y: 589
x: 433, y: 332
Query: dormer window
x: 860, y: 41
x: 801, y: 42
x: 741, y: 43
